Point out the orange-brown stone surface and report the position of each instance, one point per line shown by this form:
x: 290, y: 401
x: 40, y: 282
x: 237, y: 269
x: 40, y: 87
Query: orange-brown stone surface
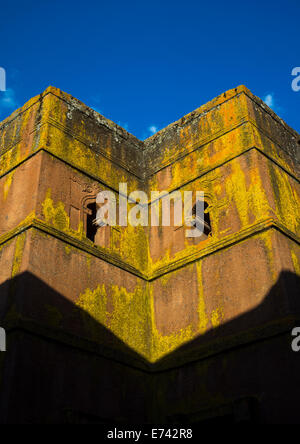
x: 178, y: 329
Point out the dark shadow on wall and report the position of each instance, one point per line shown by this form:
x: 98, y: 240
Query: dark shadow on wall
x: 61, y: 366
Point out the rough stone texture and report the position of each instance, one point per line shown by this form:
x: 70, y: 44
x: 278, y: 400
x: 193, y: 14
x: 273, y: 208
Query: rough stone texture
x: 145, y: 325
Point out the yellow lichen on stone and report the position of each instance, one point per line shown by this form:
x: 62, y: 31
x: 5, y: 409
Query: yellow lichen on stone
x: 68, y: 249
x: 135, y: 247
x: 28, y: 219
x: 129, y: 318
x: 94, y: 303
x: 296, y: 262
x: 18, y: 254
x: 217, y: 316
x: 162, y: 345
x: 10, y: 159
x: 124, y: 313
x: 286, y: 198
x: 201, y: 304
x: 57, y: 216
x: 7, y: 184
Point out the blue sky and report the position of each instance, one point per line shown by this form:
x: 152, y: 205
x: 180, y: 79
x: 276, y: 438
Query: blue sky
x: 146, y: 64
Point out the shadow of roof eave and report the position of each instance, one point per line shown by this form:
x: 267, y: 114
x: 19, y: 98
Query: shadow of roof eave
x: 262, y: 323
